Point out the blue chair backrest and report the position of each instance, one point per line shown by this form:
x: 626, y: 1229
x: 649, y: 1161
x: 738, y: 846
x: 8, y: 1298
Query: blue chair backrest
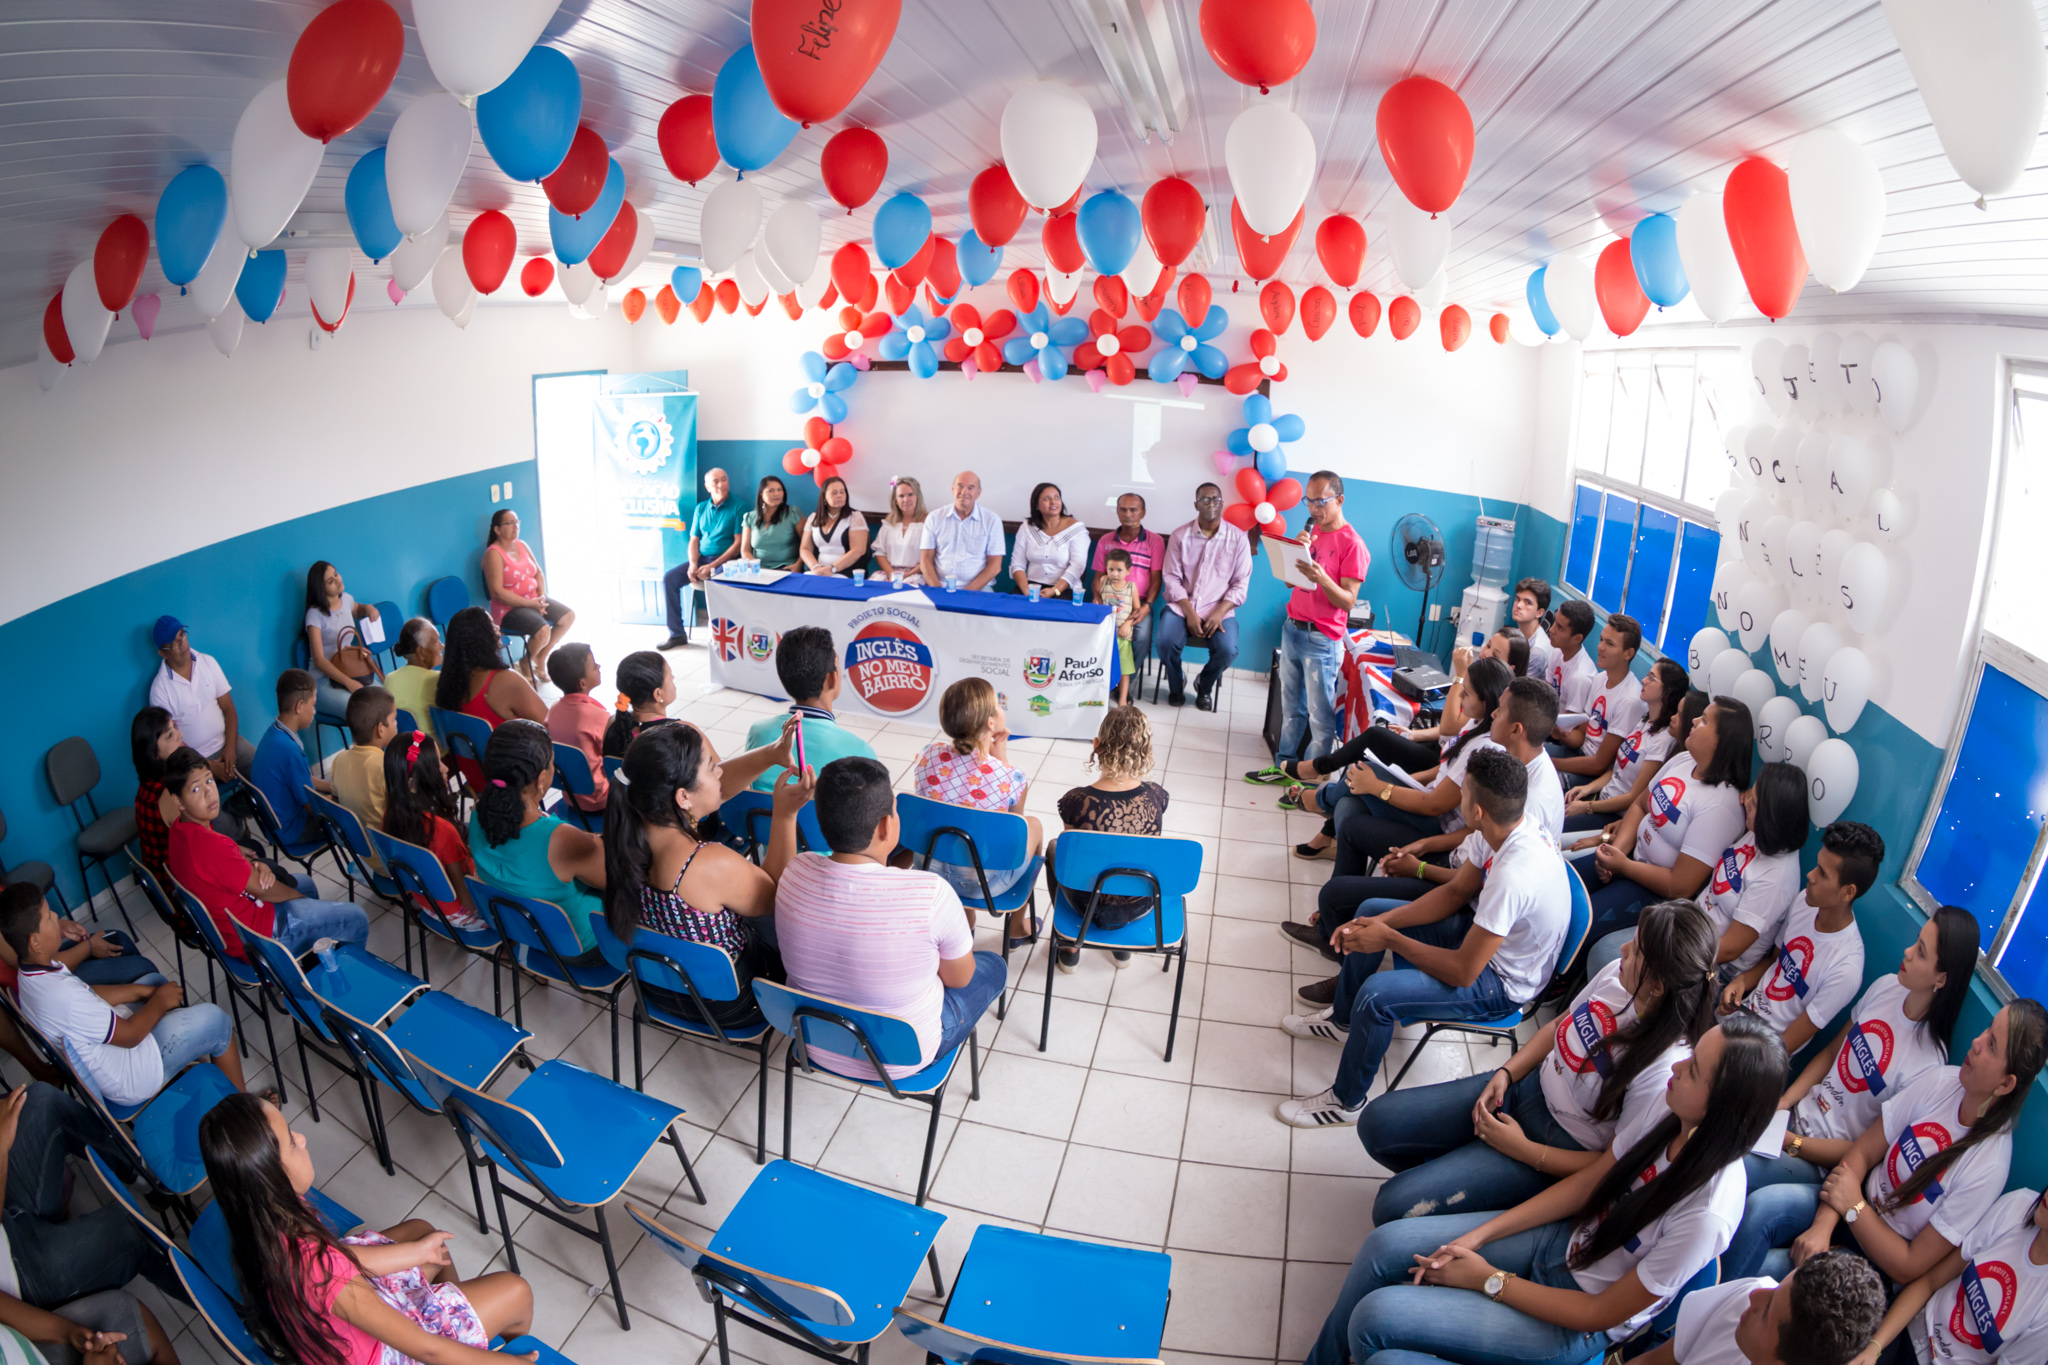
x: 893, y: 1038
x: 312, y: 835
x: 803, y: 1302
x: 445, y: 597
x: 381, y: 1055
x: 1666, y: 1321
x: 500, y: 1122
x: 540, y: 925
x: 998, y: 836
x: 612, y: 764
x: 749, y: 813
x: 217, y: 1309
x: 407, y: 721
x: 119, y: 1189
x: 661, y: 961
x: 1092, y: 861
x: 343, y: 822
x: 276, y: 965
x: 209, y: 933
x: 1579, y: 926
x: 414, y: 868
x: 170, y: 911
x: 463, y: 735
x: 572, y: 771
x: 392, y: 619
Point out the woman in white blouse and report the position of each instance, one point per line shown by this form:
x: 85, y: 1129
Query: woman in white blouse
x: 900, y: 541
x: 1052, y: 547
x: 835, y: 537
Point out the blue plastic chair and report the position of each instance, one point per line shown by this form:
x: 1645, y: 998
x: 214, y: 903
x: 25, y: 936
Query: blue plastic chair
x: 980, y: 839
x: 820, y: 1259
x: 359, y: 981
x: 701, y: 974
x: 392, y: 619
x: 572, y: 775
x: 245, y: 987
x: 165, y: 1127
x: 550, y: 950
x: 425, y: 886
x: 612, y: 764
x: 748, y: 814
x: 407, y: 721
x: 462, y: 735
x: 1113, y: 1308
x: 217, y: 1310
x: 184, y: 933
x: 1503, y: 1027
x: 346, y: 833
x: 301, y: 851
x: 445, y: 597
x: 302, y: 657
x: 572, y: 1135
x: 1163, y: 870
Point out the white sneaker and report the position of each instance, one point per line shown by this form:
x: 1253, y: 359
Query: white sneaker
x: 1321, y: 1110
x: 1318, y: 1025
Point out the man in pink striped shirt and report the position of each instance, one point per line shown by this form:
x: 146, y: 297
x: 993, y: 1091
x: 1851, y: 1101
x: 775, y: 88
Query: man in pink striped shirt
x: 853, y: 929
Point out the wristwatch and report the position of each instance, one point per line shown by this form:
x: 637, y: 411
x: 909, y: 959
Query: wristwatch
x: 1387, y: 792
x: 1793, y: 1142
x: 1850, y: 1216
x: 1497, y: 1284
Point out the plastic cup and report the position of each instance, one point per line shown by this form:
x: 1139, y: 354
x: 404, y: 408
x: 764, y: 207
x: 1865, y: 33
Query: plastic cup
x: 952, y: 584
x: 1032, y: 592
x: 324, y: 948
x: 860, y: 577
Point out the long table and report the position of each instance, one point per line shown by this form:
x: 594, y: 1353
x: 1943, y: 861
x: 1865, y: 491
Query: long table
x: 1052, y: 663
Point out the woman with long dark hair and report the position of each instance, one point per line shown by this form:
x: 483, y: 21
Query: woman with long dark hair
x: 1051, y: 553
x: 333, y: 625
x: 648, y: 685
x: 475, y: 681
x: 769, y: 533
x: 519, y: 593
x: 153, y: 737
x: 520, y: 848
x: 835, y: 537
x: 419, y: 808
x: 1643, y: 750
x: 1493, y: 1140
x: 1560, y: 1277
x: 661, y: 874
x: 318, y: 1299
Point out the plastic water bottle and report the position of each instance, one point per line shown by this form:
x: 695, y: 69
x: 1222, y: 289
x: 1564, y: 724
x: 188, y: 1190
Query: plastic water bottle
x: 324, y: 949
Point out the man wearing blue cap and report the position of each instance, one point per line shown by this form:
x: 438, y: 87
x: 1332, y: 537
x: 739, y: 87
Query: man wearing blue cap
x: 191, y: 686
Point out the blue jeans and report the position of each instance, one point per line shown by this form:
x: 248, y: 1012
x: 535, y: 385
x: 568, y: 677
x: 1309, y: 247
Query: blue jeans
x: 300, y: 923
x: 192, y: 1033
x: 966, y: 1004
x: 131, y: 966
x: 674, y: 584
x: 1784, y: 1193
x: 1309, y: 662
x: 1380, y: 1318
x: 1374, y: 828
x: 1425, y: 1134
x: 1376, y: 1003
x: 1173, y: 638
x: 1616, y: 904
x: 1337, y: 903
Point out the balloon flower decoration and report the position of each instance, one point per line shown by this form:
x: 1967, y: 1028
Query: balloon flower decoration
x: 1263, y: 502
x: 1042, y: 348
x: 822, y: 455
x: 1109, y: 348
x: 977, y: 345
x: 857, y: 330
x: 1264, y: 364
x: 822, y: 386
x: 1182, y: 346
x: 1263, y: 435
x: 912, y: 338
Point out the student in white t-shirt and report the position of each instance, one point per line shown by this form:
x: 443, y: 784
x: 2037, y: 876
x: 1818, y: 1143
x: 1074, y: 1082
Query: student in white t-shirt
x: 1669, y: 710
x: 1591, y: 1259
x: 1532, y: 600
x: 1614, y: 708
x: 1572, y: 669
x: 1492, y: 1140
x: 1815, y: 965
x: 1986, y: 1301
x: 1824, y: 1313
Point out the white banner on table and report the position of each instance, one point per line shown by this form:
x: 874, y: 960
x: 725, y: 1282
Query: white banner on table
x: 899, y: 653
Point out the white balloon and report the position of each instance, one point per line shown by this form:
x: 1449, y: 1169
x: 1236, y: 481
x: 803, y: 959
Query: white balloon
x: 1786, y: 629
x: 1865, y: 584
x: 1734, y: 441
x: 1837, y: 205
x: 1851, y: 477
x: 466, y: 312
x: 1731, y: 576
x: 1722, y: 673
x: 1756, y: 452
x: 1430, y: 298
x: 747, y: 275
x: 1845, y: 687
x: 452, y: 288
x: 1262, y: 437
x: 1887, y: 514
x: 578, y: 281
x: 1728, y: 510
x: 643, y: 242
x: 1896, y: 376
x: 1756, y: 606
x: 50, y: 371
x: 1795, y: 369
x: 327, y: 275
x: 414, y: 260
x: 811, y: 293
x: 1568, y: 289
x: 1802, y: 555
x: 424, y: 159
x: 1802, y: 737
x: 1707, y: 645
x: 1825, y: 356
x: 1770, y: 381
x: 86, y: 320
x: 1981, y: 71
x: 1816, y: 647
x: 1264, y: 513
x: 1833, y: 545
x: 1831, y: 775
x: 1771, y: 546
x: 1772, y: 723
x: 1417, y: 242
x: 1810, y: 467
x: 777, y: 283
x: 1142, y: 274
x: 1782, y: 480
x: 1271, y: 157
x: 214, y: 286
x: 1522, y: 326
x: 226, y: 328
x: 790, y: 240
x: 1753, y: 689
x: 1860, y: 391
x: 592, y: 308
x: 1749, y: 530
x: 1062, y: 286
x: 271, y: 165
x: 1048, y: 140
x: 472, y: 46
x: 728, y: 223
x: 1709, y: 260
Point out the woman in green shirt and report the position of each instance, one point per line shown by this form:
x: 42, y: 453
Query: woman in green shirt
x: 769, y: 532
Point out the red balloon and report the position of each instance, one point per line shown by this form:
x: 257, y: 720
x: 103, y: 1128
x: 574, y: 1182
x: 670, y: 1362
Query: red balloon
x: 917, y: 267
x: 995, y: 206
x: 576, y: 183
x: 754, y: 309
x: 1262, y: 257
x: 831, y: 297
x: 1456, y: 325
x: 1340, y: 246
x: 54, y: 335
x: 1425, y: 134
x: 1173, y: 214
x: 849, y: 268
x: 1622, y: 301
x: 1250, y: 486
x: 608, y: 257
x: 728, y: 295
x: 853, y: 164
x: 817, y: 431
x: 668, y: 305
x: 901, y: 294
x: 944, y: 274
x: 1194, y: 299
x: 1276, y: 306
x: 1062, y: 242
x: 341, y: 66
x: 1757, y: 203
x: 347, y: 301
x: 1062, y: 309
x: 836, y: 450
x: 684, y: 135
x: 535, y: 276
x: 1148, y: 305
x: 1365, y: 313
x: 1239, y: 514
x: 1404, y: 315
x: 1023, y: 286
x: 1498, y: 325
x: 1112, y: 295
x: 1259, y: 42
x: 1072, y: 205
x: 488, y: 245
x: 793, y: 463
x: 1284, y: 494
x: 1318, y: 311
x: 790, y: 305
x: 118, y: 260
x: 706, y: 300
x: 815, y: 58
x: 870, y: 294
x: 634, y: 304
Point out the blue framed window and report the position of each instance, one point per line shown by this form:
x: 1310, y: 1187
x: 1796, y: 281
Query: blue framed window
x: 1649, y: 574
x: 1699, y: 550
x: 1617, y: 549
x: 1585, y: 536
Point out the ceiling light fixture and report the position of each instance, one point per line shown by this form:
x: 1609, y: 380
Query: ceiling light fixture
x: 1134, y: 39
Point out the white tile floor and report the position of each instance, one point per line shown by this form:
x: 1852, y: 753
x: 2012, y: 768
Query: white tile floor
x: 1097, y: 1136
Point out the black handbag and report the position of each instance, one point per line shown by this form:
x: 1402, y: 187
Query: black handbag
x: 1275, y: 717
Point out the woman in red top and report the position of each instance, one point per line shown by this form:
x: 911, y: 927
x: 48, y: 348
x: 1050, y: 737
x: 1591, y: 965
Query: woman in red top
x: 152, y: 738
x: 475, y: 681
x: 419, y: 809
x: 519, y: 593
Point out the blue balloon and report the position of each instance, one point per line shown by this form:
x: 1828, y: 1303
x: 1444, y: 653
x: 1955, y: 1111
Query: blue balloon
x: 575, y: 238
x: 261, y: 287
x: 686, y: 280
x: 901, y: 226
x: 978, y: 262
x: 1272, y: 465
x: 750, y: 130
x: 528, y: 122
x: 1109, y: 224
x: 188, y: 222
x: 1653, y: 251
x: 1539, y: 306
x: 369, y: 207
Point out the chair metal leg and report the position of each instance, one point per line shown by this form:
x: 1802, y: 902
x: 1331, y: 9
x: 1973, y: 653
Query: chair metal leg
x: 761, y: 1124
x: 639, y: 1074
x: 718, y: 1317
x: 235, y: 1013
x: 938, y: 1281
x: 1179, y: 980
x: 1429, y: 1032
x: 276, y: 1069
x: 1052, y: 957
x: 974, y: 1064
x: 611, y: 1266
x: 931, y: 1142
x: 306, y: 1071
x: 615, y: 1033
x: 691, y: 1171
x: 476, y: 1192
x: 498, y: 1194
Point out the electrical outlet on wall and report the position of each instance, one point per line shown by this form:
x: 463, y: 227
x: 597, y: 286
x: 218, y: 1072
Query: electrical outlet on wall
x: 508, y: 490
x: 1436, y: 611
x: 494, y: 492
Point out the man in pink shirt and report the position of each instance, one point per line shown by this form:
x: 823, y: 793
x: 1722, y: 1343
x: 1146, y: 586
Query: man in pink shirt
x: 1208, y: 575
x: 856, y: 930
x: 1311, y: 642
x: 1147, y: 550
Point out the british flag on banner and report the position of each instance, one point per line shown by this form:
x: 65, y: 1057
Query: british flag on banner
x: 1365, y: 684
x: 725, y: 635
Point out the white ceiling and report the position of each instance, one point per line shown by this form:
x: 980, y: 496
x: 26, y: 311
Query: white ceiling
x: 1589, y: 114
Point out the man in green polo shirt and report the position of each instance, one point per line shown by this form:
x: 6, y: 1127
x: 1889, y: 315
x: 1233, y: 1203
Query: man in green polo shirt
x: 714, y: 538
x: 807, y: 664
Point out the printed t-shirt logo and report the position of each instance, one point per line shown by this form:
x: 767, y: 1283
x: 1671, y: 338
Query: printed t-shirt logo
x: 725, y: 634
x: 1973, y: 1320
x: 760, y: 644
x: 1667, y: 801
x: 889, y: 667
x: 1789, y: 977
x: 1596, y: 719
x: 1735, y: 860
x: 1038, y: 670
x: 1865, y: 1057
x: 1631, y: 750
x: 1579, y: 1032
x: 1915, y: 1145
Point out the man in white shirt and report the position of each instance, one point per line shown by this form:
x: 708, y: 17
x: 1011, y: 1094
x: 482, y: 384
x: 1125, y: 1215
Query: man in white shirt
x: 1206, y: 578
x: 1816, y: 970
x: 963, y: 540
x: 191, y: 686
x: 1572, y: 669
x: 1532, y: 599
x: 1823, y: 1313
x: 1454, y: 964
x: 1615, y: 707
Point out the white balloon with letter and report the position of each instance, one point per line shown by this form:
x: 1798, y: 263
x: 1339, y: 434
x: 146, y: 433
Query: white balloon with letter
x: 1753, y: 689
x: 1825, y: 355
x: 1749, y: 532
x: 1859, y: 390
x: 1887, y: 514
x: 1756, y: 606
x: 1896, y: 376
x: 1722, y: 673
x: 1845, y: 688
x: 1865, y: 587
x: 1706, y: 645
x: 1786, y: 630
x: 1802, y: 557
x: 1795, y: 369
x: 1816, y: 646
x: 1772, y: 547
x: 1731, y: 576
x: 1851, y: 476
x: 1770, y: 382
x: 1802, y: 737
x: 1831, y: 774
x: 1772, y: 724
